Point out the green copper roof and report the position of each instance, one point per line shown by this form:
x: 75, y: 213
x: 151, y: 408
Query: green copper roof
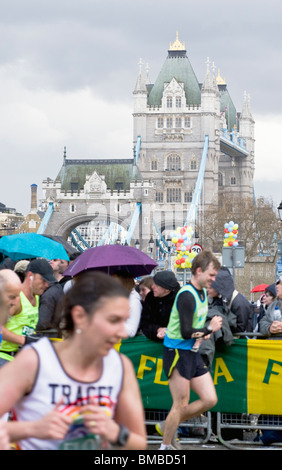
x: 118, y: 173
x: 177, y: 65
x: 227, y: 106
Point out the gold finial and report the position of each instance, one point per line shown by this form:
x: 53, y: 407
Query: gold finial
x: 219, y: 79
x: 177, y: 45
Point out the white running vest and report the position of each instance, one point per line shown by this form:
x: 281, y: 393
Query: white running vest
x: 52, y: 383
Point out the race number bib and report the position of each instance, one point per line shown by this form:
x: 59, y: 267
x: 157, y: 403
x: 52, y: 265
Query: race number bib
x: 79, y: 438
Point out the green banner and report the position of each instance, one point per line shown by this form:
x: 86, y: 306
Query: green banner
x: 229, y: 372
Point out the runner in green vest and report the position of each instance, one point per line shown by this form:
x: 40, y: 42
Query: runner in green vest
x: 182, y: 361
x: 21, y: 324
x: 24, y: 316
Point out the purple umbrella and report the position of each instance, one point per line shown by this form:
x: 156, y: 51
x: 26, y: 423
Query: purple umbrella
x: 111, y: 258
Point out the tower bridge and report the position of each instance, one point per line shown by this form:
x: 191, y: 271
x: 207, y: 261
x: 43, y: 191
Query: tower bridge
x: 190, y: 146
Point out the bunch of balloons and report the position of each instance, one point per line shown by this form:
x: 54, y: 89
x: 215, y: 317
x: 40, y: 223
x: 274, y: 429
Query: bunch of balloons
x: 182, y: 239
x: 230, y: 234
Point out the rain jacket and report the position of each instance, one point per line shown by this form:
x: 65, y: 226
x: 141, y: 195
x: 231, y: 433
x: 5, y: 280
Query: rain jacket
x: 222, y: 337
x: 268, y: 318
x: 233, y: 300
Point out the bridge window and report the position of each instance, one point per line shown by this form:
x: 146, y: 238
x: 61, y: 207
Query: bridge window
x: 159, y: 197
x: 118, y: 185
x: 178, y: 122
x: 169, y: 102
x: 233, y: 180
x: 160, y: 123
x: 220, y: 179
x: 169, y: 123
x: 188, y: 195
x: 72, y: 208
x: 154, y: 165
x: 173, y: 162
x: 193, y: 164
x: 187, y: 121
x: 173, y: 195
x: 74, y: 186
x: 178, y: 101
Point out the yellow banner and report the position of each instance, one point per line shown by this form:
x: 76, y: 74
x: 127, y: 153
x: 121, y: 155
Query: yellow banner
x: 264, y: 383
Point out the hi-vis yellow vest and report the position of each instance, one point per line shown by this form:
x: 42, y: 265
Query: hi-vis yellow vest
x: 173, y: 337
x: 24, y: 323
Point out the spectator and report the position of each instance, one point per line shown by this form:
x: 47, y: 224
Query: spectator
x: 50, y: 301
x: 20, y: 268
x: 145, y: 286
x: 7, y: 263
x: 267, y: 298
x: 270, y: 325
x: 132, y: 323
x: 59, y: 266
x: 69, y: 280
x: 157, y: 305
x: 223, y: 292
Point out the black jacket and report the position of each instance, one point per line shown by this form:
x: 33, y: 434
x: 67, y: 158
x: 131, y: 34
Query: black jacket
x: 48, y: 304
x: 155, y: 314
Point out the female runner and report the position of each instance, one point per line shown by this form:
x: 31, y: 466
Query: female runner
x: 79, y: 393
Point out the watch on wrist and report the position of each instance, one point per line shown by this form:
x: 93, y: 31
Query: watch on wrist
x: 210, y: 328
x: 123, y: 436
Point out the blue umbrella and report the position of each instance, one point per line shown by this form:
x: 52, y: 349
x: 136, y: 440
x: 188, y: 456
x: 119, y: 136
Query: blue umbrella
x: 31, y: 245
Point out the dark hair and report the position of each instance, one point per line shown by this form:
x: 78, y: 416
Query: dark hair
x: 125, y: 279
x: 203, y: 260
x: 73, y: 256
x: 89, y: 290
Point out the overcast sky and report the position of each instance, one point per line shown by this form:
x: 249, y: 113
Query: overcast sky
x: 68, y: 69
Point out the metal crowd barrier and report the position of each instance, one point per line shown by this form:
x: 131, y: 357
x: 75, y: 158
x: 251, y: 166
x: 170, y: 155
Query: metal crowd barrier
x: 201, y: 430
x: 251, y: 425
x: 221, y: 426
x: 197, y: 430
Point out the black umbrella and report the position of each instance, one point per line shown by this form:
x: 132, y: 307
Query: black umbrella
x: 67, y: 246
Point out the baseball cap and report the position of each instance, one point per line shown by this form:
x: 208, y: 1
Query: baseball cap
x: 42, y: 267
x: 20, y: 266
